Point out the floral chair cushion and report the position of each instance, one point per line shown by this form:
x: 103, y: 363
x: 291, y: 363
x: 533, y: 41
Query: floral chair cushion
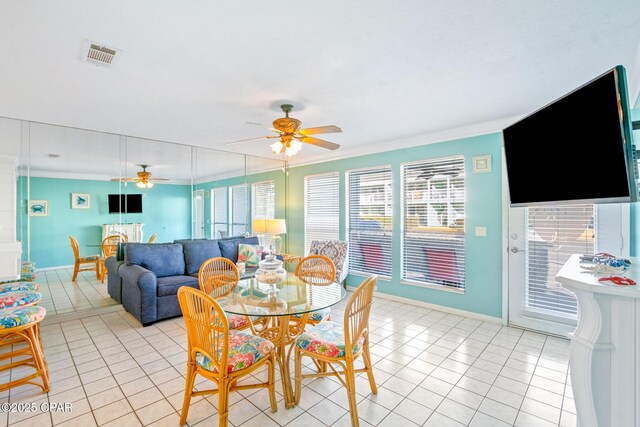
x: 89, y: 258
x: 326, y: 339
x: 245, y: 349
x: 249, y: 254
x: 19, y: 299
x: 317, y: 316
x: 13, y: 317
x: 237, y: 321
x: 18, y: 287
x: 336, y: 251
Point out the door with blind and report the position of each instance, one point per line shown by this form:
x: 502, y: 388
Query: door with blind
x: 541, y: 240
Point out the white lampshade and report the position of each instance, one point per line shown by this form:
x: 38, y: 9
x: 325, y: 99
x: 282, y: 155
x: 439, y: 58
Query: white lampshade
x: 259, y: 226
x: 275, y: 226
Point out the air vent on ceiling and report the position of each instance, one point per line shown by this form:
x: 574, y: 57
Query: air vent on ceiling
x: 98, y: 54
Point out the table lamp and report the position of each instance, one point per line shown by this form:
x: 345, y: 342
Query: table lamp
x: 276, y: 227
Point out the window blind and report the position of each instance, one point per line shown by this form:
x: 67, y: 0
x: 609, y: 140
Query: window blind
x: 369, y: 217
x: 263, y: 200
x: 239, y: 198
x: 321, y: 208
x: 219, y: 211
x: 433, y: 209
x: 554, y: 234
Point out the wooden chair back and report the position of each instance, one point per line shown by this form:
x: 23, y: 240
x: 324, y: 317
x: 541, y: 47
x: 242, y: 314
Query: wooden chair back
x: 215, y: 273
x: 110, y: 245
x: 152, y: 238
x: 207, y: 327
x: 75, y: 247
x: 317, y: 270
x: 356, y: 313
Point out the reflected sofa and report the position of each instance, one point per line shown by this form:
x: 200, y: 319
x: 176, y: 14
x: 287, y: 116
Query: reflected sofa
x: 151, y: 274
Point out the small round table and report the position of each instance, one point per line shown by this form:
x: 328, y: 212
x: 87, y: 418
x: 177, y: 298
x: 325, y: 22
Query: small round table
x: 271, y: 310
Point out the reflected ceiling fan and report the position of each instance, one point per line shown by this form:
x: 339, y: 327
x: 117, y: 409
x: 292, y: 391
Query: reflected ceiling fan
x: 143, y: 180
x: 290, y: 136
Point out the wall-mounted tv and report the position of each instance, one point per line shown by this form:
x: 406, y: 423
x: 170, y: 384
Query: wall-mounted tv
x: 578, y: 149
x: 125, y: 203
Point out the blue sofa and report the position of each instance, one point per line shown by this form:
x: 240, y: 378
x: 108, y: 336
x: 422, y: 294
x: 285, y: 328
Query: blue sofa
x: 152, y: 273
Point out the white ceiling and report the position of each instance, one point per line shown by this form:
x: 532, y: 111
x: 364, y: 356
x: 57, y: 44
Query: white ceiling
x: 389, y: 73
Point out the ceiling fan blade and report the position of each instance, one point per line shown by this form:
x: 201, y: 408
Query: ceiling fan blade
x: 320, y: 143
x: 320, y: 129
x: 266, y: 127
x: 158, y: 179
x: 124, y: 179
x: 251, y: 139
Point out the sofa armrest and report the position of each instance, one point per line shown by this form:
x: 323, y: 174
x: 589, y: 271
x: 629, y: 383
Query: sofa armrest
x: 139, y: 292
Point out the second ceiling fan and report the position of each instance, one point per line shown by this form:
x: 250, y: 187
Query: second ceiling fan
x: 290, y: 136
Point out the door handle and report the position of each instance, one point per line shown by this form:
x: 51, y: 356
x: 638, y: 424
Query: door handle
x: 515, y: 250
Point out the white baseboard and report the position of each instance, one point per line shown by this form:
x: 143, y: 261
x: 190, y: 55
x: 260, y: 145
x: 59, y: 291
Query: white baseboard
x: 60, y: 267
x: 471, y: 314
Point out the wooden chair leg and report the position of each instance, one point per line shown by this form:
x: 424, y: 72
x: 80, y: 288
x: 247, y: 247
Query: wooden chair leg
x: 223, y: 403
x: 98, y: 270
x: 38, y: 357
x: 366, y: 357
x: 272, y: 382
x: 298, y: 368
x: 76, y: 267
x: 351, y: 394
x: 188, y: 389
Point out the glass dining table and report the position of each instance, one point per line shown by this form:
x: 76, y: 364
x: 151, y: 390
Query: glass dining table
x: 279, y: 312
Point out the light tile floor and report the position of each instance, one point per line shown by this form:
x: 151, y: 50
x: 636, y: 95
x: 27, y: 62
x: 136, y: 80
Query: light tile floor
x: 60, y: 295
x: 432, y: 368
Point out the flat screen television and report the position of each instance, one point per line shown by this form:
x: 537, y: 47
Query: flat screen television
x: 578, y: 149
x: 125, y: 203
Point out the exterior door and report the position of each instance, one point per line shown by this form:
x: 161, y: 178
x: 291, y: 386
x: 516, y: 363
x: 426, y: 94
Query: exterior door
x: 541, y: 239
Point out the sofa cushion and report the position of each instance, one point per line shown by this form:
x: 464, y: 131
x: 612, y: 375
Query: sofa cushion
x: 229, y: 248
x: 161, y: 259
x: 169, y: 285
x: 198, y: 251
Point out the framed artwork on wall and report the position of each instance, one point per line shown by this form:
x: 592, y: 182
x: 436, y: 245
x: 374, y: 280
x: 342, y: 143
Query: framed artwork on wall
x: 80, y: 201
x: 38, y: 208
x: 481, y: 164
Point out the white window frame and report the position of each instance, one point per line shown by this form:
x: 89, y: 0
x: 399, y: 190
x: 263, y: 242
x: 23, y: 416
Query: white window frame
x: 215, y: 221
x: 329, y: 224
x: 383, y: 237
x: 263, y: 209
x: 232, y: 220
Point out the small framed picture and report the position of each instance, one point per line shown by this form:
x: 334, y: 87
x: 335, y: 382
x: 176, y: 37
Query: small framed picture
x: 38, y: 208
x: 481, y: 164
x: 80, y: 201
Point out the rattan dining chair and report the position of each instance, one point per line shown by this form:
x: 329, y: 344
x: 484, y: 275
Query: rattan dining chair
x: 317, y: 270
x: 214, y: 275
x: 332, y: 343
x: 109, y: 248
x: 219, y: 354
x: 79, y: 261
x: 153, y: 238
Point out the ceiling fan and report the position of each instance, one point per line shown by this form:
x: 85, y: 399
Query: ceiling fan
x: 290, y: 136
x: 143, y: 180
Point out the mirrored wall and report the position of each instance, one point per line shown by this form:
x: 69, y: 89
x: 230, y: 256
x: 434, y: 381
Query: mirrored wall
x: 85, y: 184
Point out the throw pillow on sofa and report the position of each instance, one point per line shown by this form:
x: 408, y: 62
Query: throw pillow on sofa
x: 229, y: 248
x: 250, y: 254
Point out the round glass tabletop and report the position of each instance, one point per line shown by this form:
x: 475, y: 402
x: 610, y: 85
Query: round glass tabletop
x: 286, y: 298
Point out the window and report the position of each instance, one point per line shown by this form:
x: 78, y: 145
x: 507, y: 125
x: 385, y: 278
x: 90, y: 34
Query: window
x: 554, y: 233
x: 263, y: 200
x: 219, y: 213
x: 321, y: 208
x: 433, y: 212
x: 238, y: 213
x: 369, y: 216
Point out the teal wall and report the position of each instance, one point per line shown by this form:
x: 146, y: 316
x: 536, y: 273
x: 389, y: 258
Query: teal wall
x: 166, y: 211
x: 483, y: 255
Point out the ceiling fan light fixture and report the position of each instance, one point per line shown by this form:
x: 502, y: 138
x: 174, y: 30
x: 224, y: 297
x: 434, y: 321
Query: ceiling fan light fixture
x: 277, y: 147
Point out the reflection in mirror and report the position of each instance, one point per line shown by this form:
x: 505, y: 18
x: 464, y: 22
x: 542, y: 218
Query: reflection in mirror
x: 90, y: 185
